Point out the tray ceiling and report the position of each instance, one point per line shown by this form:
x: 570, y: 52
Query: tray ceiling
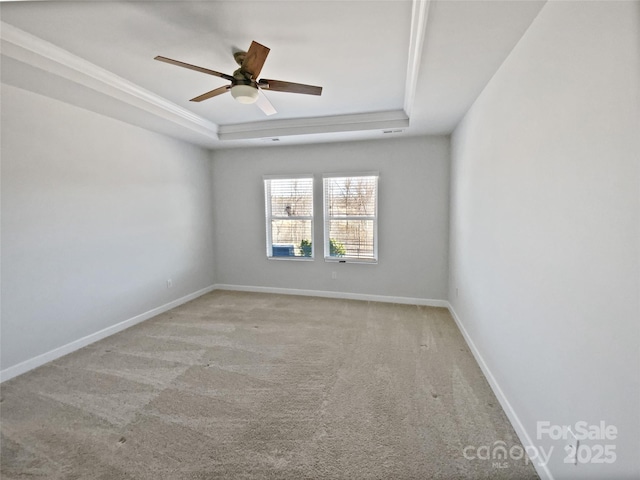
x: 395, y: 65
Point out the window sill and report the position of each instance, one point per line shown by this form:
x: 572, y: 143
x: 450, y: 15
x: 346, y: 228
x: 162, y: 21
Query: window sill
x: 295, y: 259
x: 351, y: 260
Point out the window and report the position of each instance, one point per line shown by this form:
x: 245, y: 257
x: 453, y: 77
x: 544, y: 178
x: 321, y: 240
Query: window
x: 289, y: 216
x: 351, y: 217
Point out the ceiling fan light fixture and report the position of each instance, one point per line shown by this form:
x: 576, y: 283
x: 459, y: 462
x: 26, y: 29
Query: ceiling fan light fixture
x: 244, y: 93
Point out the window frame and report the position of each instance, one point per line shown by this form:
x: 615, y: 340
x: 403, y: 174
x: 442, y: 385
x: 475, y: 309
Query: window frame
x: 269, y: 217
x: 327, y: 219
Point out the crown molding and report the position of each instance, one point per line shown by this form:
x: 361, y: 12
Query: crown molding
x: 314, y: 125
x: 36, y: 52
x: 419, y: 17
x: 39, y: 53
x: 347, y: 123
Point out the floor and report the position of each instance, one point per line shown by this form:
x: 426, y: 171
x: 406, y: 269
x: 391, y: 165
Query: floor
x: 259, y: 386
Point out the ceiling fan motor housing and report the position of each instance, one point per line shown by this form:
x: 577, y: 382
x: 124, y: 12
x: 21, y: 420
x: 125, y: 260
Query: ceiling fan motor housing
x: 243, y: 89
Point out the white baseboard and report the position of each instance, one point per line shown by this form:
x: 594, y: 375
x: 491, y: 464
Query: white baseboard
x: 27, y: 365
x: 23, y: 367
x: 523, y: 435
x: 35, y: 362
x: 330, y: 294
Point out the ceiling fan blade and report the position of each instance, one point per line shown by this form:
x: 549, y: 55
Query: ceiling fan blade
x: 193, y: 67
x: 281, y: 86
x: 264, y: 104
x: 212, y: 93
x: 254, y: 59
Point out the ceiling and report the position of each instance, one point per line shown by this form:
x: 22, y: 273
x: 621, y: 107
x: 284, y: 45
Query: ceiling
x: 387, y: 68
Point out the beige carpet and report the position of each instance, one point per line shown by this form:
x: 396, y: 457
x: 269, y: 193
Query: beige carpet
x: 251, y: 386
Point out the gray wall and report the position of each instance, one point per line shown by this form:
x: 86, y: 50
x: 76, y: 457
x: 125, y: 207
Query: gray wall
x: 545, y: 237
x: 413, y: 217
x: 96, y: 216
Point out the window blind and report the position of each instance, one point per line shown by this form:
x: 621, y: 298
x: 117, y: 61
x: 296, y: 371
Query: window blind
x: 289, y: 216
x: 351, y: 218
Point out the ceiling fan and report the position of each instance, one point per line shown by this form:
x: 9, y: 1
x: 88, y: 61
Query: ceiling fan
x: 245, y: 86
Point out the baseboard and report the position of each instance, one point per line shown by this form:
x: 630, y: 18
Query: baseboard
x: 23, y: 367
x: 523, y: 435
x: 330, y: 294
x: 35, y: 362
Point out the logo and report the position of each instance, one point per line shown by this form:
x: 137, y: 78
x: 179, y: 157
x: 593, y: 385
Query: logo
x: 499, y: 454
x: 581, y: 442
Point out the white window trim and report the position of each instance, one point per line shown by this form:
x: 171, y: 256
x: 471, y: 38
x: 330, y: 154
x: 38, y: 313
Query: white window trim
x: 269, y: 217
x: 287, y: 176
x: 326, y: 241
x: 350, y: 174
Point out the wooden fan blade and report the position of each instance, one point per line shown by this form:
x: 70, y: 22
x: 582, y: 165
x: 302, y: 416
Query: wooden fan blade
x: 212, y: 93
x: 264, y: 104
x: 193, y: 67
x: 281, y: 86
x: 254, y: 59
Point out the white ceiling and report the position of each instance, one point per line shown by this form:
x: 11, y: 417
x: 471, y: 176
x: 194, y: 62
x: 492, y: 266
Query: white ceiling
x: 384, y: 65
